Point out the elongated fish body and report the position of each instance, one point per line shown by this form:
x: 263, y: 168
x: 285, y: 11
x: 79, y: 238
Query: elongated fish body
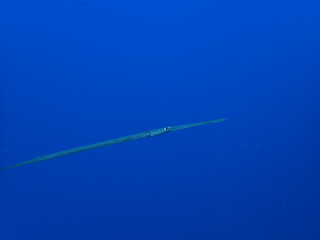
x: 152, y: 133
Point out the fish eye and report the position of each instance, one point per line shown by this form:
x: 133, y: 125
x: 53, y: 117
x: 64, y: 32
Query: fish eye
x: 167, y: 128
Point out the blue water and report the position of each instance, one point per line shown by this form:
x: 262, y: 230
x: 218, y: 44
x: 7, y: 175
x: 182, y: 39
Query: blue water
x: 78, y: 72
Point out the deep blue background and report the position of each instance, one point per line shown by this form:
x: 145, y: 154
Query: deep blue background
x: 74, y: 73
